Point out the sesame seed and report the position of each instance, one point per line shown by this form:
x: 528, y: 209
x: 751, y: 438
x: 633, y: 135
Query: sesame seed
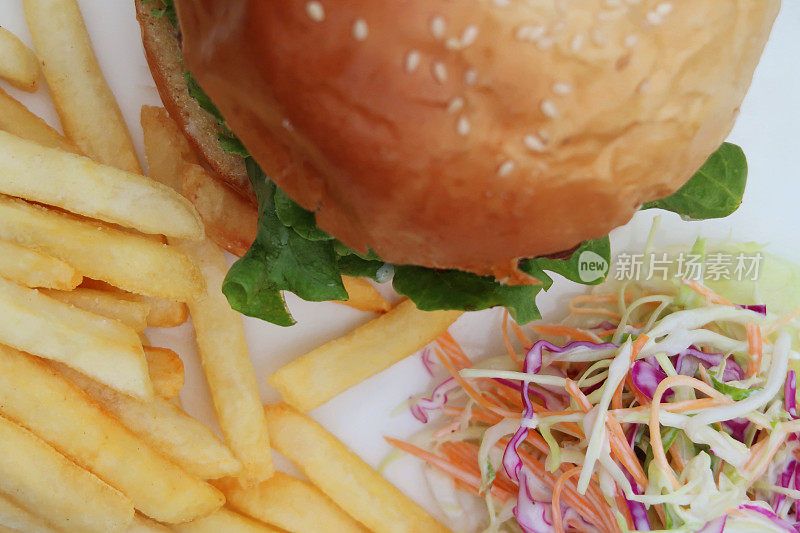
x: 453, y: 44
x: 631, y: 40
x: 315, y: 11
x: 654, y: 18
x: 469, y: 35
x: 438, y: 27
x: 664, y: 8
x: 643, y: 87
x: 455, y: 105
x: 530, y: 32
x: 549, y: 109
x: 440, y: 72
x: 577, y: 43
x: 412, y: 61
x: 545, y: 43
x: 562, y: 88
x: 360, y: 30
x: 470, y: 77
x: 286, y: 123
x: 463, y: 126
x: 506, y: 168
x: 533, y: 143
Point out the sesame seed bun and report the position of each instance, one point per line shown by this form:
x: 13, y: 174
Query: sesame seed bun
x: 468, y: 134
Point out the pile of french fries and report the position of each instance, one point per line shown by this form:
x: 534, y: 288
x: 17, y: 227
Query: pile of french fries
x: 92, y: 252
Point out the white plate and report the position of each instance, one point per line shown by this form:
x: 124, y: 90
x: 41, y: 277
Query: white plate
x: 767, y: 130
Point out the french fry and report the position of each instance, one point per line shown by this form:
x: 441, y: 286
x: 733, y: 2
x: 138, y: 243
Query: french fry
x: 37, y: 477
x: 343, y: 476
x: 16, y: 518
x: 132, y: 314
x: 230, y: 219
x: 86, y: 106
x: 165, y: 146
x: 131, y: 262
x: 141, y: 524
x: 33, y: 269
x: 106, y: 350
x: 16, y: 119
x: 77, y: 184
x: 318, y: 376
x: 34, y: 395
x: 18, y: 64
x: 165, y: 427
x: 289, y: 504
x: 166, y: 371
x: 227, y: 521
x: 219, y: 330
x: 162, y: 314
x: 363, y: 296
x: 227, y: 367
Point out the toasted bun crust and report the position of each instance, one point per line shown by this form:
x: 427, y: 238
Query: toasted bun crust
x: 163, y: 52
x: 468, y: 134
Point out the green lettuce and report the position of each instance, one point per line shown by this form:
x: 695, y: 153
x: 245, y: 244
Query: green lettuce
x: 291, y: 253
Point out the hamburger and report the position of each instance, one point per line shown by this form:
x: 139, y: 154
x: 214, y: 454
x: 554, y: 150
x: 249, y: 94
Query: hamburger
x: 463, y: 149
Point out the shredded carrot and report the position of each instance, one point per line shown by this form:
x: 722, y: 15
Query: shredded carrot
x: 588, y: 298
x: 674, y: 407
x: 656, y: 443
x: 454, y: 470
x: 562, y: 331
x: 638, y: 344
x: 624, y: 453
x: 507, y: 341
x: 578, y: 395
x: 710, y: 295
x: 619, y: 499
x: 782, y: 322
x: 470, y: 390
x: 558, y: 523
x: 755, y: 347
x: 526, y: 342
x: 452, y: 349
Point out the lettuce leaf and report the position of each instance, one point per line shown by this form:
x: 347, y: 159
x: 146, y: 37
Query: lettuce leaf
x: 715, y: 191
x: 292, y: 253
x: 280, y: 259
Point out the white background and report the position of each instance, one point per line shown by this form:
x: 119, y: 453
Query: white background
x: 767, y: 130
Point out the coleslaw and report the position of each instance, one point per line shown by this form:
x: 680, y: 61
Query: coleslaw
x: 654, y: 405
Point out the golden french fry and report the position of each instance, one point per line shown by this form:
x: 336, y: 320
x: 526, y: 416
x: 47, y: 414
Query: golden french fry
x: 318, y: 376
x: 132, y: 314
x: 16, y: 119
x: 363, y: 296
x: 34, y: 395
x: 16, y: 518
x: 343, y: 476
x: 18, y: 64
x: 85, y: 104
x: 33, y: 269
x: 227, y: 521
x: 106, y: 350
x: 76, y: 183
x: 289, y: 504
x: 141, y: 524
x: 37, y: 477
x: 165, y: 146
x: 230, y: 219
x: 166, y: 371
x: 227, y: 367
x: 219, y: 330
x: 131, y: 262
x: 162, y: 314
x: 165, y: 427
